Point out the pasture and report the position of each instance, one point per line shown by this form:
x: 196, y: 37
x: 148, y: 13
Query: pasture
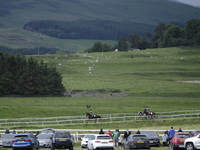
x: 149, y: 73
x: 149, y: 78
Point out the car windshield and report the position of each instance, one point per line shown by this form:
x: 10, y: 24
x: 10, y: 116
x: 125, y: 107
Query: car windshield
x: 197, y: 132
x: 44, y: 136
x: 183, y: 135
x: 21, y: 136
x: 149, y: 133
x: 8, y: 136
x: 103, y: 137
x: 48, y: 131
x: 63, y: 135
x: 89, y: 136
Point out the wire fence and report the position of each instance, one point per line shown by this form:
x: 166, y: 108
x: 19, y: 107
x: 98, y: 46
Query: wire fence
x: 105, y: 118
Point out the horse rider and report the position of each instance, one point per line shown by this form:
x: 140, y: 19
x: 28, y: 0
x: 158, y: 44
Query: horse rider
x: 148, y: 110
x: 92, y: 113
x: 145, y: 110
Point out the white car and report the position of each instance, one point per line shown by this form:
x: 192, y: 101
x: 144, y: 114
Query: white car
x: 85, y: 140
x: 192, y: 143
x: 101, y: 141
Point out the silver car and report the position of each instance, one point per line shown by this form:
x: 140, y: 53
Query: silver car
x: 85, y: 140
x: 45, y: 140
x: 6, y: 140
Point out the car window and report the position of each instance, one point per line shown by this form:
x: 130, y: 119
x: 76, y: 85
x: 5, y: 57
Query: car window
x: 103, y: 137
x: 21, y: 136
x: 197, y: 132
x: 139, y: 136
x: 48, y: 131
x: 8, y: 136
x: 32, y: 136
x: 149, y: 133
x: 89, y: 136
x: 44, y: 136
x: 183, y: 135
x: 62, y: 135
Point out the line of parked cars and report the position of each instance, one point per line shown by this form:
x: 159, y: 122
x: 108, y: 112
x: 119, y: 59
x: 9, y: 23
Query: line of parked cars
x: 63, y: 140
x: 47, y: 139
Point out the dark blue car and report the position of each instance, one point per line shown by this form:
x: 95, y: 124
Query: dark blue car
x: 25, y: 141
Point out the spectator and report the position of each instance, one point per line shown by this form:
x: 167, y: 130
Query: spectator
x: 180, y: 130
x: 138, y: 132
x: 171, y: 134
x: 13, y: 132
x: 23, y: 131
x: 7, y: 131
x: 109, y: 133
x: 167, y: 135
x: 120, y: 141
x: 164, y: 138
x: 126, y: 134
x: 101, y: 131
x: 37, y: 133
x: 116, y: 138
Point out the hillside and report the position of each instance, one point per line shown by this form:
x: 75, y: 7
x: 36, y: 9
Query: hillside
x: 14, y: 14
x: 150, y: 73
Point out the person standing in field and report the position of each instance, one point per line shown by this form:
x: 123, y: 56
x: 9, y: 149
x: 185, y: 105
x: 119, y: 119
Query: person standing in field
x: 101, y: 131
x: 109, y: 133
x: 126, y: 134
x: 7, y: 131
x: 116, y: 138
x: 120, y: 141
x: 164, y: 138
x: 171, y: 134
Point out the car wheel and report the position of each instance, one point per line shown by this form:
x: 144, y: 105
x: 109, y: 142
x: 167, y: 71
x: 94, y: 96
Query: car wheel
x: 173, y: 147
x: 190, y: 146
x: 52, y: 147
x: 13, y: 148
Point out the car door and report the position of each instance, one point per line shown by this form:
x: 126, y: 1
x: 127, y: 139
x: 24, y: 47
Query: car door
x: 33, y: 139
x: 198, y: 143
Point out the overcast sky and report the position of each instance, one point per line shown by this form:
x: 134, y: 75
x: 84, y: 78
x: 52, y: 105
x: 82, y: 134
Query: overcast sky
x: 191, y: 2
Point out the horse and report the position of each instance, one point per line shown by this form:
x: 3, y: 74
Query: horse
x: 91, y: 117
x: 145, y: 114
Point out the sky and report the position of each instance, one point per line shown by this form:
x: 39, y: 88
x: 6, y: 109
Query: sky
x: 191, y: 2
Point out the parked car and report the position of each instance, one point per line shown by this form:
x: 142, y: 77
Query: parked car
x: 47, y: 131
x: 192, y: 143
x: 194, y: 133
x: 137, y: 141
x: 85, y: 140
x: 25, y: 141
x: 101, y: 141
x: 153, y: 137
x: 62, y: 140
x: 6, y: 140
x: 45, y: 140
x: 178, y: 140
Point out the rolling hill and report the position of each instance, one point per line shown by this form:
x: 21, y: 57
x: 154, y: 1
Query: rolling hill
x: 14, y: 14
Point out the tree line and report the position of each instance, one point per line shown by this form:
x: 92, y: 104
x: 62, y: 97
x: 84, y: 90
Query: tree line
x: 21, y: 76
x: 169, y: 35
x: 31, y: 51
x: 87, y: 29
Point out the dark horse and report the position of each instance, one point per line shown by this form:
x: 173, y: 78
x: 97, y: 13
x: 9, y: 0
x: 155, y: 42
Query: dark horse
x: 91, y: 117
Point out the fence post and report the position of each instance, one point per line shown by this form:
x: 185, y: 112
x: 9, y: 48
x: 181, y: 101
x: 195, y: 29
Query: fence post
x: 110, y: 118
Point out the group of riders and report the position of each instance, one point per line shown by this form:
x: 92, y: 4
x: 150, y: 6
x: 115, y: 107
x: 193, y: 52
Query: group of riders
x: 147, y: 110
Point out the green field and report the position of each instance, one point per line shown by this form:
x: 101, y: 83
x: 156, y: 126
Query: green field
x: 151, y: 78
x: 150, y: 73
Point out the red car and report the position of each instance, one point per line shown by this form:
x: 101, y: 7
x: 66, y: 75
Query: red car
x: 195, y: 133
x: 178, y: 140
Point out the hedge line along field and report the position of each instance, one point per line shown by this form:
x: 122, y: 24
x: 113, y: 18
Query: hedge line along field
x: 148, y: 73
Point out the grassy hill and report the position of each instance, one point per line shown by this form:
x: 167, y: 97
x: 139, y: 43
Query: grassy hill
x: 149, y: 73
x: 18, y: 38
x: 14, y: 14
